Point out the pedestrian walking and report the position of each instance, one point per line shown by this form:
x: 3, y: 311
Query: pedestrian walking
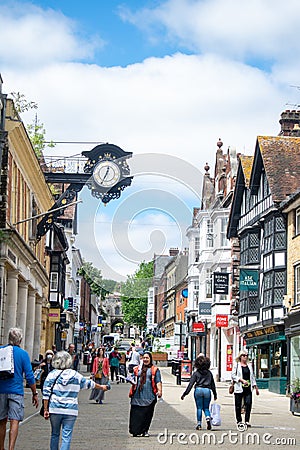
x: 134, y: 359
x: 61, y: 389
x: 114, y: 362
x: 75, y: 357
x: 46, y: 366
x: 145, y: 389
x: 203, y: 381
x: 100, y: 374
x: 12, y: 390
x: 244, y: 382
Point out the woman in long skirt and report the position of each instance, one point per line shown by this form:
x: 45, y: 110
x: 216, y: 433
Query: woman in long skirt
x: 144, y: 395
x: 100, y: 372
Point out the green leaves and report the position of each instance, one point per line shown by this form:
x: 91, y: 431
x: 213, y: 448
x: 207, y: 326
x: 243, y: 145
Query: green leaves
x: 134, y: 295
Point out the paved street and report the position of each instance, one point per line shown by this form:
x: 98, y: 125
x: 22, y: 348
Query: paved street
x: 106, y: 426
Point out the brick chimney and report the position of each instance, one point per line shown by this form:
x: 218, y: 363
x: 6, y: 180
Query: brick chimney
x: 173, y: 251
x: 290, y: 123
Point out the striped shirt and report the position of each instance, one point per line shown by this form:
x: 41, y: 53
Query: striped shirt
x: 65, y: 392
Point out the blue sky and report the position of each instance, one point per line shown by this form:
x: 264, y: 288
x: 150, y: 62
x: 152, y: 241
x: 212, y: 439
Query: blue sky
x: 165, y: 78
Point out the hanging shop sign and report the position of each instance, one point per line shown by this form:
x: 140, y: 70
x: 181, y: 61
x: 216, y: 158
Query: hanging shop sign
x: 54, y: 315
x: 204, y: 308
x: 198, y: 327
x: 221, y: 320
x: 221, y: 282
x: 248, y: 280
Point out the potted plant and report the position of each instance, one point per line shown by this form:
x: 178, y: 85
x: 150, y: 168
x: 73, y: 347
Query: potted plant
x: 295, y: 396
x: 157, y: 354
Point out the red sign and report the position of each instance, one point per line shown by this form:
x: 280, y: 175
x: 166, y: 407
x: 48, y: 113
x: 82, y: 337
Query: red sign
x: 221, y: 320
x: 229, y: 358
x: 198, y: 327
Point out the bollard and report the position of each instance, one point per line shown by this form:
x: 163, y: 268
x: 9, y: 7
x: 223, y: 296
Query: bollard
x: 178, y: 374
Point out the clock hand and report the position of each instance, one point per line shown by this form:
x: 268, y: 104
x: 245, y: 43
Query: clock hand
x: 106, y: 173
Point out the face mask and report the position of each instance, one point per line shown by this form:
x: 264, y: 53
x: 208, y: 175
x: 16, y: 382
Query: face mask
x: 49, y: 357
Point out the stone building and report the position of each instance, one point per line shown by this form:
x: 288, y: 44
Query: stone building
x: 24, y: 266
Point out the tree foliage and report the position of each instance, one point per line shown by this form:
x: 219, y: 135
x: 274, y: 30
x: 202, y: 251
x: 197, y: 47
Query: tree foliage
x: 37, y: 135
x: 134, y: 295
x: 93, y: 277
x: 36, y: 129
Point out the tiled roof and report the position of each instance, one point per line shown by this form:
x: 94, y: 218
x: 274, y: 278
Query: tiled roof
x: 246, y: 162
x: 281, y: 159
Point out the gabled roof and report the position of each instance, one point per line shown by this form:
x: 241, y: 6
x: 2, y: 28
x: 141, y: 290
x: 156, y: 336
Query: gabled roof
x: 280, y: 156
x: 246, y: 163
x: 242, y: 181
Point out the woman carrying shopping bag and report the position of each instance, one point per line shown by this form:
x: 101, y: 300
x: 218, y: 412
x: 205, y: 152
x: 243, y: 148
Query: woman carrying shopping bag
x: 204, y: 383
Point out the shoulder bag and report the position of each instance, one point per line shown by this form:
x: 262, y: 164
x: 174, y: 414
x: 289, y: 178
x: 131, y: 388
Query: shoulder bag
x: 42, y: 410
x: 231, y: 387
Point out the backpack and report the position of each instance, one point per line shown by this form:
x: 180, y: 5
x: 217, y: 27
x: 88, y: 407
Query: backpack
x: 7, y: 368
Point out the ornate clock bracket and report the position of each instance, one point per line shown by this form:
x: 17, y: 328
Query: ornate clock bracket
x: 106, y: 174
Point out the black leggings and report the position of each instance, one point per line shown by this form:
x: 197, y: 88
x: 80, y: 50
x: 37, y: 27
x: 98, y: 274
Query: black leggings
x: 247, y: 396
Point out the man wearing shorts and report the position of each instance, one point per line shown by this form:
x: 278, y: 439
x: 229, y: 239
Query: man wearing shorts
x: 12, y: 390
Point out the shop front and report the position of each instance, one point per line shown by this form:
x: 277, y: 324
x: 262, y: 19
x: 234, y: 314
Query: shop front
x: 292, y: 331
x: 268, y: 350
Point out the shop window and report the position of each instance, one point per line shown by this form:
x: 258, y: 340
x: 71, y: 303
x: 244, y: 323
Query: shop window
x: 263, y: 362
x: 295, y: 357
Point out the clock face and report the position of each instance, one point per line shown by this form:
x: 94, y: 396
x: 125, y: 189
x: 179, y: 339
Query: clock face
x: 106, y: 173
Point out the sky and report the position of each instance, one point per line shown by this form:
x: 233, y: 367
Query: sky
x: 164, y: 79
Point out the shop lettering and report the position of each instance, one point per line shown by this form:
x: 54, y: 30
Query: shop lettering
x: 248, y: 281
x: 262, y: 332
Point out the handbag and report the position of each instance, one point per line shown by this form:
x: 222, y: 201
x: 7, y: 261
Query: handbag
x: 42, y: 410
x: 231, y: 387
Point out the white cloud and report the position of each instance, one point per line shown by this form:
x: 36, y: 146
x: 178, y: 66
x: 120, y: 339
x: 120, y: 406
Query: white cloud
x: 228, y: 27
x: 178, y: 105
x: 37, y: 37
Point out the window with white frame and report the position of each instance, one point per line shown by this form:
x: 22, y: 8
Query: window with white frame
x: 208, y: 283
x: 224, y: 240
x: 209, y: 233
x: 297, y: 285
x: 53, y: 281
x: 197, y: 248
x: 297, y: 221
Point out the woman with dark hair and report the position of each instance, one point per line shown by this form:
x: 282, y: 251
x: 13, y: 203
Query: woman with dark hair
x: 204, y: 383
x: 145, y: 389
x: 100, y: 372
x: 46, y: 366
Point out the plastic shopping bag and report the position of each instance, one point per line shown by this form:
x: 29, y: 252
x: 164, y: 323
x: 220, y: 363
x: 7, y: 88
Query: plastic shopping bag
x: 215, y: 412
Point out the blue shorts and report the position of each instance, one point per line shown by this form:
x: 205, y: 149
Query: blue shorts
x: 12, y: 407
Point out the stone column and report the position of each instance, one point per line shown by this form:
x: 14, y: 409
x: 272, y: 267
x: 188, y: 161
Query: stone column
x: 30, y: 322
x: 22, y: 308
x: 11, y: 302
x: 37, y: 328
